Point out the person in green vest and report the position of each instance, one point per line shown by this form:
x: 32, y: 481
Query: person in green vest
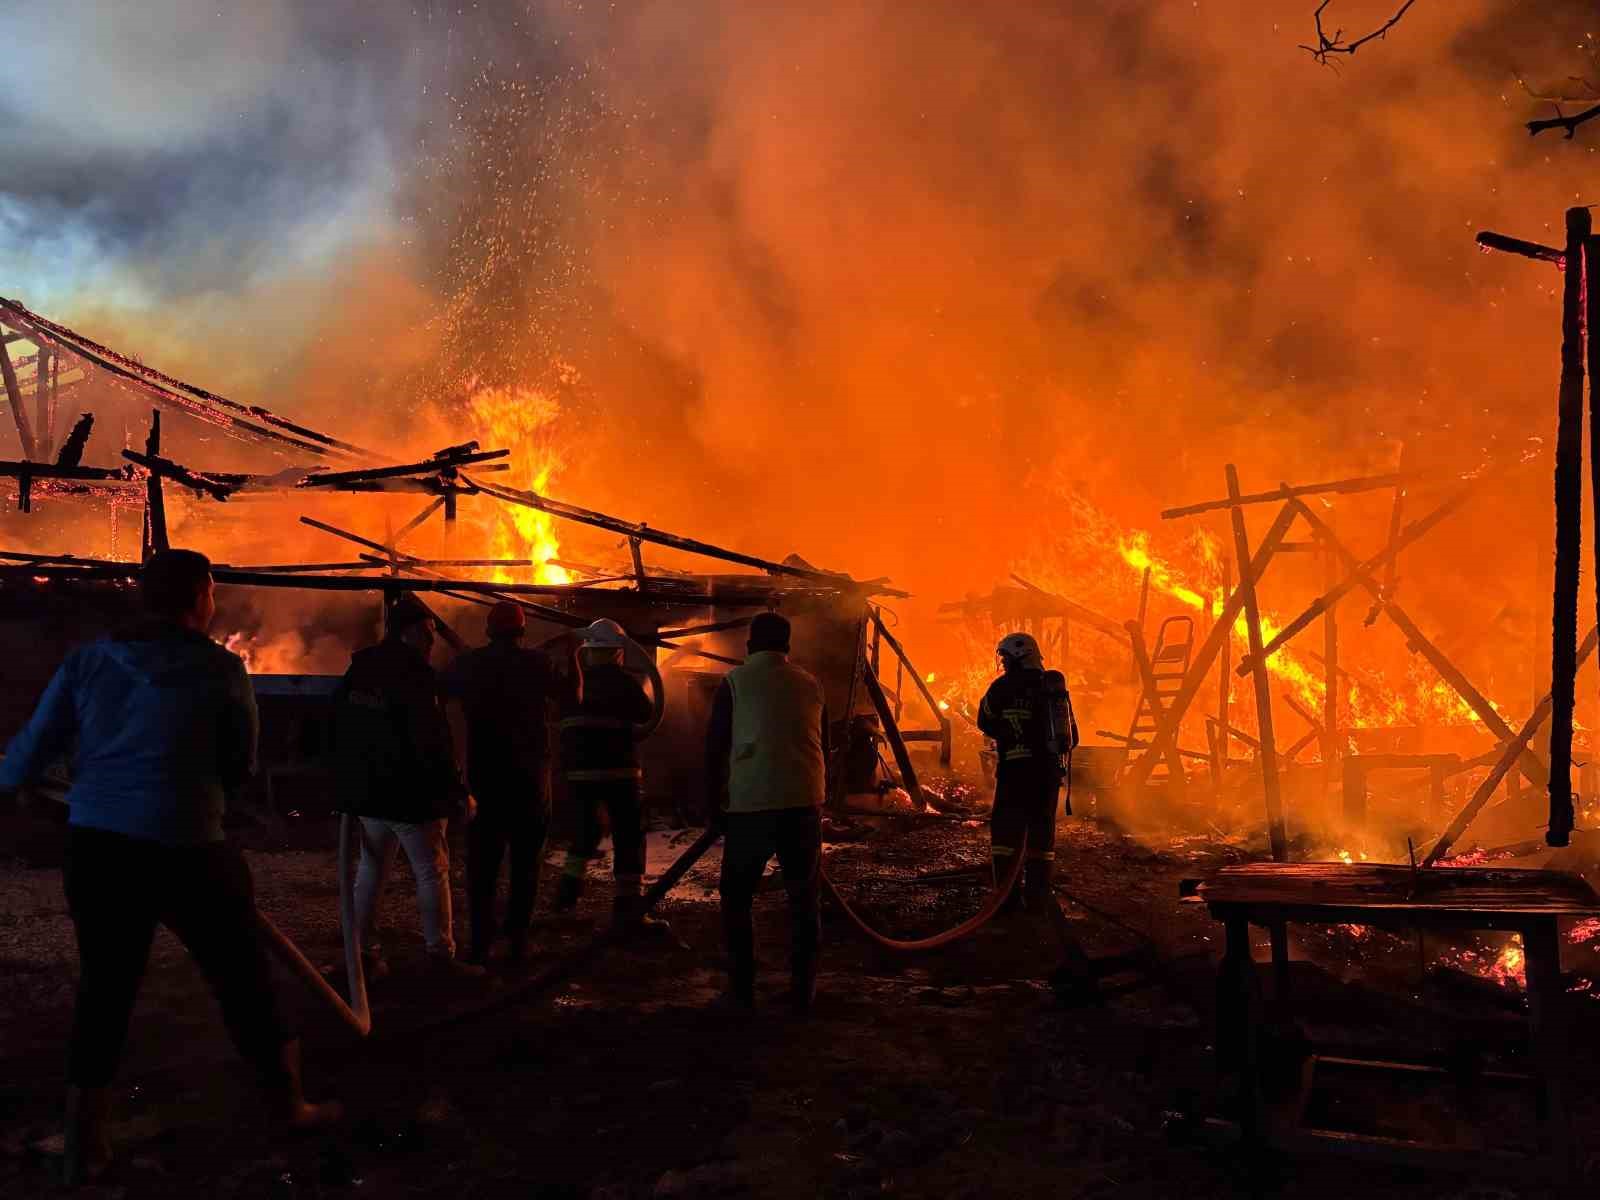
x: 767, y: 767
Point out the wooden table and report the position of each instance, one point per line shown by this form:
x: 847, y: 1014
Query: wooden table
x: 1446, y: 899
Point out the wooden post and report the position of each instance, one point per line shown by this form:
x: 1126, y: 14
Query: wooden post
x: 638, y: 563
x: 1330, y: 658
x: 1263, y: 688
x: 155, y: 506
x: 1144, y: 608
x: 449, y: 519
x: 891, y: 734
x: 1569, y: 530
x: 41, y: 404
x: 19, y: 414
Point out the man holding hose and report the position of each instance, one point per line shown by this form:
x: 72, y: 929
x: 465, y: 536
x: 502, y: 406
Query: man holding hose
x: 1028, y: 713
x: 767, y: 752
x: 164, y: 722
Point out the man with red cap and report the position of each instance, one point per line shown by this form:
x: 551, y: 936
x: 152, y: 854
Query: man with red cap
x: 508, y: 694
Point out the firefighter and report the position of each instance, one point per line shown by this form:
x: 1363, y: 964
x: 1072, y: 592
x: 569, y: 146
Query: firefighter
x: 506, y: 692
x: 600, y: 761
x: 1028, y: 713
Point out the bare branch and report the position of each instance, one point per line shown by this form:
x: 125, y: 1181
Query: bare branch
x: 1336, y: 44
x: 1560, y: 121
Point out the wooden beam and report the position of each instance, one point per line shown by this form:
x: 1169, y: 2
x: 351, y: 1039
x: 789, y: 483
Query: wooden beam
x: 645, y: 533
x: 1368, y: 483
x: 921, y: 684
x: 181, y: 475
x: 1225, y: 698
x: 1509, y: 755
x: 1418, y: 641
x: 422, y: 516
x: 1356, y: 574
x: 1263, y: 687
x: 373, y: 474
x: 1221, y: 632
x: 1333, y: 688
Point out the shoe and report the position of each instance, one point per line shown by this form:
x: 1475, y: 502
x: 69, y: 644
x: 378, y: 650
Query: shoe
x: 803, y: 986
x: 450, y: 966
x: 289, y: 1097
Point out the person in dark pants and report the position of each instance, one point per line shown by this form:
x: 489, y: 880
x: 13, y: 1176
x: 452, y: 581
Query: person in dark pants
x: 506, y: 692
x: 1028, y: 713
x: 767, y: 755
x: 600, y: 760
x: 165, y: 727
x: 396, y: 771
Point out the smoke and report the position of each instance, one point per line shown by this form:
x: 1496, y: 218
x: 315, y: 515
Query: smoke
x: 891, y: 285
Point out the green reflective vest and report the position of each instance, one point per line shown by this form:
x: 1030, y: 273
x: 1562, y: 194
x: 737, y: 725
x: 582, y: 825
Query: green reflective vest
x: 776, y: 760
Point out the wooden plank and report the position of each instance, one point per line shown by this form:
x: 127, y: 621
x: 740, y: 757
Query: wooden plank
x: 1268, y: 756
x: 1502, y: 766
x: 1357, y: 574
x: 416, y: 521
x: 1221, y: 632
x: 939, y: 714
x: 1225, y: 690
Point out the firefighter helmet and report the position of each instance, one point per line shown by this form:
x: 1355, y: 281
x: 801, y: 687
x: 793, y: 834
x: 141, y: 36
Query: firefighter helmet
x: 507, y: 620
x: 1019, y: 652
x: 604, y: 634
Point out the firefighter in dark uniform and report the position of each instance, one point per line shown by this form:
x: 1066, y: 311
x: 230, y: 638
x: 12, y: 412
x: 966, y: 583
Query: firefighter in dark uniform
x: 1028, y: 713
x: 600, y: 761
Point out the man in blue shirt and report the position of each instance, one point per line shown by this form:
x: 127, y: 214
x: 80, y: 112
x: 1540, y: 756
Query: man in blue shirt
x: 160, y: 724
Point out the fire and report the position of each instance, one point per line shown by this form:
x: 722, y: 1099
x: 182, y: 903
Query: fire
x: 522, y: 420
x: 1510, y: 969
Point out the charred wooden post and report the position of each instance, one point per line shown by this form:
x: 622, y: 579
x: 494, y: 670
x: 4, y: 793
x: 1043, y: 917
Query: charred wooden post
x: 42, y: 415
x: 72, y: 449
x: 155, y: 505
x: 641, y: 581
x: 1263, y: 688
x: 891, y: 734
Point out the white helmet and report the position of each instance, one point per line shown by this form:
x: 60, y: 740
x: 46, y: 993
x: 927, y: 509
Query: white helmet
x: 605, y: 634
x: 1018, y: 651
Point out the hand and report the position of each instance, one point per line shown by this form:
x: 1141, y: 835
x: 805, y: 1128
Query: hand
x: 469, y: 807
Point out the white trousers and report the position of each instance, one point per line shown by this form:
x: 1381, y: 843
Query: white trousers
x: 429, y: 853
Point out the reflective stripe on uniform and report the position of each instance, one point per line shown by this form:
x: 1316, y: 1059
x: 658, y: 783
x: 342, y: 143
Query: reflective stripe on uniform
x: 601, y: 774
x: 1002, y: 851
x: 1044, y: 854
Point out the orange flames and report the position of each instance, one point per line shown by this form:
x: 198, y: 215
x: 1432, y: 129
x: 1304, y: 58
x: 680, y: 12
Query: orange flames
x: 522, y: 420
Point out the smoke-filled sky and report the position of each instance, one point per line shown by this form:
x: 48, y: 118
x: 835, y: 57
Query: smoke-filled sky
x: 829, y: 270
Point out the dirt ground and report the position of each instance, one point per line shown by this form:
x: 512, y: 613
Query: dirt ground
x: 957, y: 1074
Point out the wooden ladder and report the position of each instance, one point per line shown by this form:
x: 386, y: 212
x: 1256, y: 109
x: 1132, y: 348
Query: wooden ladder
x: 1169, y: 663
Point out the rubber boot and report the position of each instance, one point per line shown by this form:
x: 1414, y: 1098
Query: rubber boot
x: 289, y: 1098
x: 567, y: 893
x: 742, y: 981
x: 87, y: 1152
x: 1002, y: 869
x: 1035, y: 884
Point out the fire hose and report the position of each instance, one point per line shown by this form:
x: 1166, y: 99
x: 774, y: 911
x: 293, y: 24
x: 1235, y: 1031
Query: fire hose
x: 971, y: 925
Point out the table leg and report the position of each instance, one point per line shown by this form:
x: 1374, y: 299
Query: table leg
x: 1238, y: 1044
x: 1280, y: 963
x: 1547, y: 1037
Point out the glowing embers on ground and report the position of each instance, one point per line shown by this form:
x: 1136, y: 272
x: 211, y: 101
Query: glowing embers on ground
x: 523, y: 420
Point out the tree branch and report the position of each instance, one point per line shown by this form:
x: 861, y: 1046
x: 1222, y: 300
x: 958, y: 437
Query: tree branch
x: 1336, y: 44
x: 1560, y: 121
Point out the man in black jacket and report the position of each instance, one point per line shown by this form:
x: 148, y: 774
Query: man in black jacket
x: 600, y: 758
x: 1028, y: 713
x: 397, y: 772
x: 506, y: 692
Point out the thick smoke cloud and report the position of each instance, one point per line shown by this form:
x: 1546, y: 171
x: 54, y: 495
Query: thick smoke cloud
x: 890, y: 284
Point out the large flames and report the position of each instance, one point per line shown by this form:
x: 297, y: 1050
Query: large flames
x: 522, y: 420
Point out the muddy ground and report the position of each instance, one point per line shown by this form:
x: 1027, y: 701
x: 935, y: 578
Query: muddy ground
x: 958, y: 1074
